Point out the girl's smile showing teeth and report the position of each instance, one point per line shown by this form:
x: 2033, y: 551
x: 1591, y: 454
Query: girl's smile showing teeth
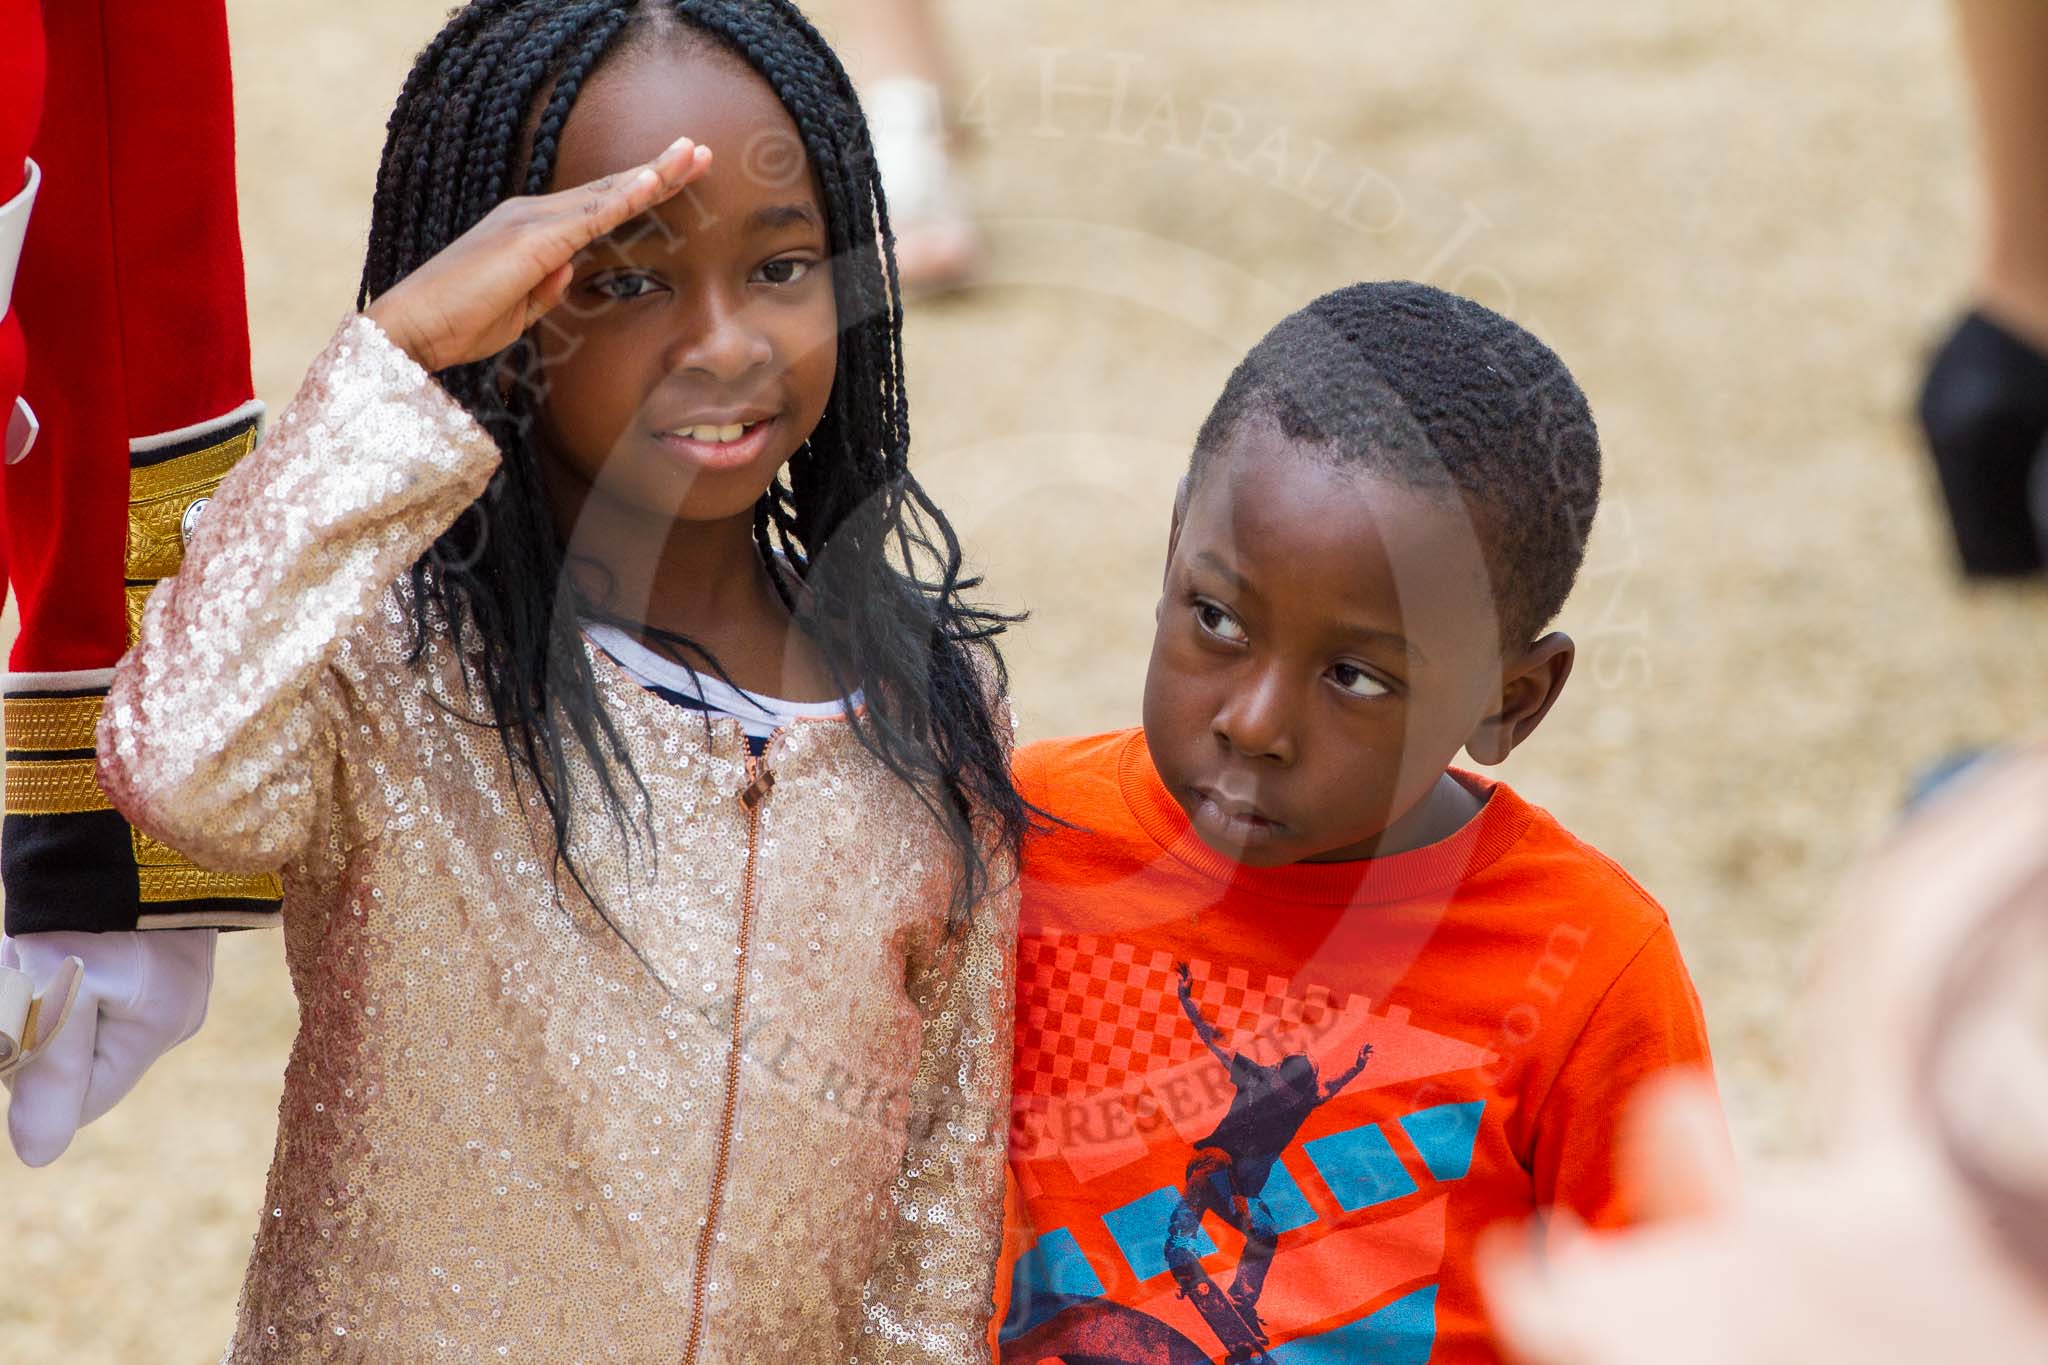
x: 721, y: 445
x: 717, y: 435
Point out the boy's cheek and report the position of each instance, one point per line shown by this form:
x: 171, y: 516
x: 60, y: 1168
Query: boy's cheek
x: 1172, y: 712
x: 1175, y: 677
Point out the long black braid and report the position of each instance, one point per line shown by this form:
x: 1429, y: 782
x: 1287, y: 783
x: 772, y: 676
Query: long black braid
x: 878, y: 582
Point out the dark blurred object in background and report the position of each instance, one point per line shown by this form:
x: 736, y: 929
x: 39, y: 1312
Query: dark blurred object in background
x: 1985, y: 404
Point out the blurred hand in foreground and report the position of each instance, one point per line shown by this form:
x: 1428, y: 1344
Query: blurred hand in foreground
x: 1921, y: 1232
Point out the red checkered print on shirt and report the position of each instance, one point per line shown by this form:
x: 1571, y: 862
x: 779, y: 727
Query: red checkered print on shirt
x: 1097, y: 1014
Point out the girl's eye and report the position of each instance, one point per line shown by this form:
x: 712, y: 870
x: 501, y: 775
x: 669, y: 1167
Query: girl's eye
x: 784, y: 272
x: 1358, y: 682
x: 623, y: 287
x: 1218, y: 622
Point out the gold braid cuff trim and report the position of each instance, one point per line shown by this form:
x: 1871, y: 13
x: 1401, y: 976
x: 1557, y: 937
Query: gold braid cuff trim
x: 162, y: 885
x: 66, y: 786
x: 156, y: 853
x: 168, y: 875
x: 70, y: 786
x: 51, y: 724
x: 160, y: 494
x: 190, y: 473
x: 155, y: 547
x: 138, y: 595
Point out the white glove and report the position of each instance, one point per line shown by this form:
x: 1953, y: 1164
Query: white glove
x: 142, y: 994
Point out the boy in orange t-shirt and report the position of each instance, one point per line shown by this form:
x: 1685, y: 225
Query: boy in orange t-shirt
x: 1302, y: 1010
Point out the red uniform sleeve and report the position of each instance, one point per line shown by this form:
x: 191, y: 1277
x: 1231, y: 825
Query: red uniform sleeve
x: 1647, y: 1023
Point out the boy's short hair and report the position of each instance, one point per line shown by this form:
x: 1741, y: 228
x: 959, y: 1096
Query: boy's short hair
x: 1436, y: 390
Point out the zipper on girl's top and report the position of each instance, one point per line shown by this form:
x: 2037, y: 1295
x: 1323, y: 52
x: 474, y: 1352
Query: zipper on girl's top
x: 760, y: 782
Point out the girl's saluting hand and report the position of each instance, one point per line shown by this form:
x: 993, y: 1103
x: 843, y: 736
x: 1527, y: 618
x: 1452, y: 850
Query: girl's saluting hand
x: 485, y: 288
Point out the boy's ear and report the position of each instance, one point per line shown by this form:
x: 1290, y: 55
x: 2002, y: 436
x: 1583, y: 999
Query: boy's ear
x: 1529, y: 686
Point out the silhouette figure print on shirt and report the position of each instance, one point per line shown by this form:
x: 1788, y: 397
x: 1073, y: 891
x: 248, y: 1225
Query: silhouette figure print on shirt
x: 1228, y: 1178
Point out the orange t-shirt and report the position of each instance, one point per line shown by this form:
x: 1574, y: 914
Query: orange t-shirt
x: 1175, y: 1198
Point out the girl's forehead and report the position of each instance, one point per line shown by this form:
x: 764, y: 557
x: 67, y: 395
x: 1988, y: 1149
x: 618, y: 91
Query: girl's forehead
x: 667, y: 86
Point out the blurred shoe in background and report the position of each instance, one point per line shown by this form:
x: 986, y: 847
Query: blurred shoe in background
x: 899, y: 57
x: 937, y: 243
x: 1984, y: 409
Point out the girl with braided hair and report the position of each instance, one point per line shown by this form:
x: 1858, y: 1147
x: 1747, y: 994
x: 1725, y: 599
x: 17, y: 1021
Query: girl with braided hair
x: 644, y: 1016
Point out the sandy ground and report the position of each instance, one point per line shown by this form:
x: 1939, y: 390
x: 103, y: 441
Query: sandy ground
x: 1740, y: 222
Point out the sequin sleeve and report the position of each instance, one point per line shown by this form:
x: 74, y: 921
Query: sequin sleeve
x: 218, y: 735
x: 932, y: 1297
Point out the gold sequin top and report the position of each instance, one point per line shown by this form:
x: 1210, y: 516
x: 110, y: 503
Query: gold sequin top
x: 503, y: 1137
